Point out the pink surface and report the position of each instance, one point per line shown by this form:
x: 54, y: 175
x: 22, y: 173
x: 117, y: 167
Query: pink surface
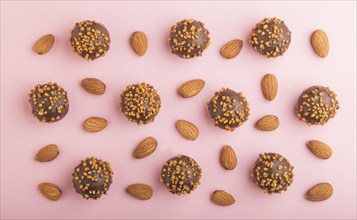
x: 22, y: 135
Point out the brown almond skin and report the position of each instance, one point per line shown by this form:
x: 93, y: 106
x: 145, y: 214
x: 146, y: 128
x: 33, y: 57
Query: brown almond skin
x: 232, y: 49
x: 191, y: 88
x: 228, y: 158
x: 44, y: 44
x: 145, y: 148
x: 187, y: 129
x: 320, y: 43
x: 319, y: 192
x: 222, y: 198
x: 139, y: 42
x: 95, y: 124
x: 140, y: 191
x: 267, y: 123
x: 94, y: 86
x: 269, y: 86
x: 319, y: 149
x: 50, y: 191
x: 47, y: 153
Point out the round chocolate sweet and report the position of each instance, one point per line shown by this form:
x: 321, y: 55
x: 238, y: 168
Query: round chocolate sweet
x: 270, y: 37
x: 228, y: 109
x: 181, y: 175
x: 189, y: 38
x: 140, y: 103
x: 317, y: 105
x: 90, y: 39
x: 92, y: 178
x: 272, y: 173
x: 49, y: 102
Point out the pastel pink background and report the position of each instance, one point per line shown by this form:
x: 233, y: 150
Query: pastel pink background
x: 22, y: 23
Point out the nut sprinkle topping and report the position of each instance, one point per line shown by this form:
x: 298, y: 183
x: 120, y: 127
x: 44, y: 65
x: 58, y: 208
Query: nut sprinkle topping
x: 92, y: 178
x: 140, y: 103
x: 90, y: 39
x: 181, y: 175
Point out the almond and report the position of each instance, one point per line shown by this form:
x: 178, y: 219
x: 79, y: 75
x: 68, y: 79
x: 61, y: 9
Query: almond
x: 191, y: 88
x: 47, y: 153
x: 140, y: 191
x: 145, y: 148
x: 228, y: 158
x: 50, y: 191
x: 267, y: 123
x: 232, y: 48
x: 95, y: 124
x: 222, y: 198
x: 319, y: 42
x: 319, y: 192
x: 187, y: 129
x: 94, y: 86
x: 320, y: 149
x: 139, y: 42
x: 269, y: 86
x: 44, y: 44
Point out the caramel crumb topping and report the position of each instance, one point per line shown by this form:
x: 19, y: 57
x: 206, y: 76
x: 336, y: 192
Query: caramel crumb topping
x: 273, y: 173
x: 270, y: 37
x: 140, y: 103
x: 90, y: 39
x: 189, y: 38
x: 181, y: 175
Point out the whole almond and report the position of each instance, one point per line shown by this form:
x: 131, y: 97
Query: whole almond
x: 319, y: 42
x: 319, y: 192
x: 94, y: 86
x: 145, y: 148
x: 44, y: 44
x: 187, y: 129
x: 269, y: 86
x: 50, y: 191
x: 191, y: 88
x: 139, y: 42
x: 95, y: 124
x: 232, y: 48
x: 140, y: 191
x: 267, y: 123
x: 320, y: 149
x: 47, y: 153
x: 222, y: 198
x: 228, y: 158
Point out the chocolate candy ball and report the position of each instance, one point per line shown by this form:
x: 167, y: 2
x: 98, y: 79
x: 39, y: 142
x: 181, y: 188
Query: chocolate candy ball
x: 189, y: 38
x: 49, y: 102
x: 228, y: 109
x: 270, y: 37
x: 140, y: 103
x: 272, y: 173
x: 90, y: 39
x: 92, y: 178
x: 181, y: 175
x: 317, y: 105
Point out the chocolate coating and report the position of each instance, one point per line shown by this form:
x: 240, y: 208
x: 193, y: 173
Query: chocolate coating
x: 189, y: 38
x: 49, y: 102
x: 92, y: 178
x: 90, y: 39
x: 228, y: 109
x: 140, y: 103
x: 270, y: 37
x: 272, y: 173
x: 181, y: 175
x: 317, y: 105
